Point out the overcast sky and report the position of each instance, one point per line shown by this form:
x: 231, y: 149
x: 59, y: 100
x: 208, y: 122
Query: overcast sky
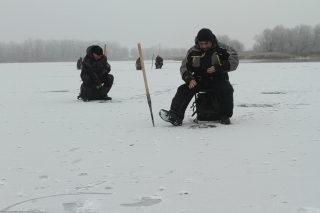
x: 171, y: 23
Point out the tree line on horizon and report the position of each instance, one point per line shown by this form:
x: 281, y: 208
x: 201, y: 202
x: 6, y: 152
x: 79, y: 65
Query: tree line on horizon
x: 302, y: 40
x: 39, y: 50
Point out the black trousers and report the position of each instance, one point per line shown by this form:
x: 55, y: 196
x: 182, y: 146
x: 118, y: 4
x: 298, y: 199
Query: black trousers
x: 184, y: 95
x: 107, y: 81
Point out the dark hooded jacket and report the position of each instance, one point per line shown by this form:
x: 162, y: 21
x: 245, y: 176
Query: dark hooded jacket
x: 159, y: 60
x: 79, y: 62
x: 92, y: 67
x: 138, y: 62
x: 197, y: 61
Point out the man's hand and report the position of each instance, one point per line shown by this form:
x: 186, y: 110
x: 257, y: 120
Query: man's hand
x: 98, y: 83
x: 192, y: 84
x: 211, y: 70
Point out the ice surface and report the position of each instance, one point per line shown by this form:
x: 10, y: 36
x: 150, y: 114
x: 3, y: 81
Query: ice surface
x: 59, y: 154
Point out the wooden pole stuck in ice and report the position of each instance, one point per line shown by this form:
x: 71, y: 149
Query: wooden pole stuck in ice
x: 152, y: 61
x: 145, y: 81
x: 105, y: 50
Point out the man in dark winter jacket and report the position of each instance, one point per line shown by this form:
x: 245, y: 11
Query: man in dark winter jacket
x: 138, y: 64
x: 159, y: 62
x: 95, y: 75
x: 205, y: 66
x: 79, y: 63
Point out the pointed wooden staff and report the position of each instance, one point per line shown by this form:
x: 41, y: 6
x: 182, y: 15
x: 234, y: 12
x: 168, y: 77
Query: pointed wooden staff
x: 145, y: 81
x: 105, y: 50
x: 152, y: 61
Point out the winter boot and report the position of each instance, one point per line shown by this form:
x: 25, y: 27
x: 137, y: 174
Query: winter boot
x: 225, y: 120
x: 105, y: 98
x: 170, y: 117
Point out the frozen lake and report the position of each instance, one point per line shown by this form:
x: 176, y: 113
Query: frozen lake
x: 59, y: 154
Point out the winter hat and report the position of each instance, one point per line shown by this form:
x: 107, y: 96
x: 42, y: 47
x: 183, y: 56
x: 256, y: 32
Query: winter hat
x: 97, y: 50
x: 204, y: 35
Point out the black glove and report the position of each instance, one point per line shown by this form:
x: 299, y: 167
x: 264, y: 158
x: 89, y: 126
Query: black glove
x: 187, y: 77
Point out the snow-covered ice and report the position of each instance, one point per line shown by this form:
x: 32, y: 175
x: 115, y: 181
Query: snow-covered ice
x: 59, y: 154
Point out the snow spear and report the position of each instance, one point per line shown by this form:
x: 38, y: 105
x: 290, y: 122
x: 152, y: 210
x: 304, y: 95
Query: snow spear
x: 152, y: 61
x: 105, y: 50
x: 145, y: 81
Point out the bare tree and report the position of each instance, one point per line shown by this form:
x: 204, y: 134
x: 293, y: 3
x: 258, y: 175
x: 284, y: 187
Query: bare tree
x: 39, y: 50
x: 12, y: 54
x: 265, y: 40
x: 224, y: 39
x: 2, y: 51
x: 316, y: 40
x: 303, y: 39
x: 279, y: 34
x: 134, y: 53
x: 300, y: 40
x: 235, y: 44
x: 51, y: 49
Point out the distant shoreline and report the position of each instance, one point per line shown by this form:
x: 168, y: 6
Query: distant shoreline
x: 277, y: 60
x: 242, y: 60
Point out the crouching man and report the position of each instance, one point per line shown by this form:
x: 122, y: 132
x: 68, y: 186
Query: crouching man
x: 97, y: 81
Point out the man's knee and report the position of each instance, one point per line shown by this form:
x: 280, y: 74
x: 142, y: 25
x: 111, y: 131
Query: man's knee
x: 110, y: 79
x: 228, y: 90
x: 87, y: 92
x: 183, y: 89
x: 225, y: 89
x: 86, y: 80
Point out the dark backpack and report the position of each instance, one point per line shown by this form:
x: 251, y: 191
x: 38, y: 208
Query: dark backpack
x: 206, y: 106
